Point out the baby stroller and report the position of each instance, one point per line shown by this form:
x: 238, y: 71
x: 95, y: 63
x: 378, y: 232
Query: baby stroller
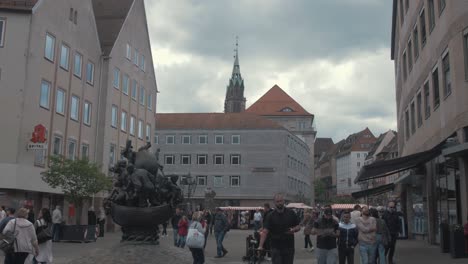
x: 252, y: 255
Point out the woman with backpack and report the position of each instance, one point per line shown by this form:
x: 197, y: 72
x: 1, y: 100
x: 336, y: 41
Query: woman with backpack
x: 45, y: 247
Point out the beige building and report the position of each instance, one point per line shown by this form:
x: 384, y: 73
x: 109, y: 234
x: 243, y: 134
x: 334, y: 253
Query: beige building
x: 81, y: 69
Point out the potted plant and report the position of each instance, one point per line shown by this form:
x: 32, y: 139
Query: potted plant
x: 457, y: 242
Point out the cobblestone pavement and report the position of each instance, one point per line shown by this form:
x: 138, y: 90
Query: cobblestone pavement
x: 109, y: 248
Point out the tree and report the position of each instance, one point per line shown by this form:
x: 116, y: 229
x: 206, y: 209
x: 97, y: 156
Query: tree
x: 78, y: 179
x: 320, y: 189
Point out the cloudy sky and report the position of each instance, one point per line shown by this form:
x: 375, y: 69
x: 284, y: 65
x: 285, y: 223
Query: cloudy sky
x: 332, y: 56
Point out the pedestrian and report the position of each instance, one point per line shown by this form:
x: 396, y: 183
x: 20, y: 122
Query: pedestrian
x: 3, y: 213
x: 175, y: 225
x: 197, y: 253
x: 392, y: 219
x: 10, y: 216
x: 347, y: 240
x: 183, y: 231
x: 31, y: 216
x: 57, y: 221
x: 101, y: 219
x: 327, y: 230
x: 333, y: 215
x: 91, y: 216
x: 45, y: 249
x: 356, y: 213
x: 257, y: 220
x: 282, y: 223
x: 308, y: 224
x: 26, y: 239
x: 221, y: 225
x: 381, y: 238
x: 367, y: 226
x: 208, y: 219
x: 164, y: 231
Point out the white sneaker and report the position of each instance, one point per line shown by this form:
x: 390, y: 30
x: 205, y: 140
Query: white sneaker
x: 268, y: 258
x: 311, y: 249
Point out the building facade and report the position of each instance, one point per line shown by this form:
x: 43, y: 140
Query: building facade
x: 57, y: 73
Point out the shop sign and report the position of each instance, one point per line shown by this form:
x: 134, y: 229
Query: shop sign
x: 38, y: 139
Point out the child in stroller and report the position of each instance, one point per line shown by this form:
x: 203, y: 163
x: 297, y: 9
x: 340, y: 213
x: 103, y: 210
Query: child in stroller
x: 252, y: 255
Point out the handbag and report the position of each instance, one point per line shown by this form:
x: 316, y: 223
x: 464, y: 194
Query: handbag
x: 7, y: 241
x: 195, y: 239
x: 43, y: 232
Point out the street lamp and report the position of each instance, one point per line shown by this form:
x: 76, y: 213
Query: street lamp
x: 191, y: 184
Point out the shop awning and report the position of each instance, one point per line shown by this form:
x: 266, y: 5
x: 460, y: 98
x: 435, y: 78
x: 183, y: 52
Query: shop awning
x: 374, y: 191
x: 299, y: 206
x: 387, y: 167
x: 241, y: 208
x: 456, y: 150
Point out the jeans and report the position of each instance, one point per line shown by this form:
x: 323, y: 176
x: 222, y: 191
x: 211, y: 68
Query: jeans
x: 345, y: 255
x: 55, y: 232
x: 390, y: 250
x: 9, y: 258
x: 380, y: 250
x: 367, y: 253
x: 176, y: 235
x: 198, y: 255
x: 257, y: 225
x: 326, y: 256
x: 219, y: 242
x: 307, y: 241
x: 20, y: 257
x: 282, y: 256
x: 181, y: 241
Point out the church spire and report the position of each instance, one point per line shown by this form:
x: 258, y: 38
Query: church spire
x: 235, y: 100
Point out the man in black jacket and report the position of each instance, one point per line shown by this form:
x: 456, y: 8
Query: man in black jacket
x: 347, y: 240
x: 392, y: 219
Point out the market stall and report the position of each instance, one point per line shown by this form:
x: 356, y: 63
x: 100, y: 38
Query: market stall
x: 241, y: 217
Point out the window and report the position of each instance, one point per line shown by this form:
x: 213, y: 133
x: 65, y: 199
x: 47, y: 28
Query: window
x: 185, y: 159
x: 405, y: 71
x: 422, y: 22
x: 419, y: 109
x: 416, y: 42
x: 235, y: 159
x: 140, y: 129
x: 431, y: 15
x: 359, y: 164
x: 65, y: 57
x: 132, y: 125
x: 134, y: 89
x: 75, y: 17
x: 112, y: 155
x: 407, y: 5
x: 407, y: 127
x: 135, y: 58
x: 235, y: 139
x: 447, y: 80
x: 441, y: 6
x: 57, y: 145
x: 435, y: 90
x: 413, y: 120
x: 203, y: 139
x: 170, y: 139
x: 349, y: 182
x: 90, y: 73
x: 156, y: 139
x: 87, y: 113
x: 142, y: 62
x: 77, y: 65
x: 201, y: 180
x: 70, y: 17
x: 465, y: 49
x: 427, y: 105
x: 150, y: 102
x: 235, y: 181
x: 202, y: 159
x: 125, y: 84
x: 114, y: 116
x: 2, y: 32
x: 410, y: 56
x: 402, y: 14
x: 128, y: 54
x: 123, y: 121
x: 358, y: 155
x: 74, y: 106
x: 186, y: 139
x: 218, y: 181
x: 84, y: 151
x: 39, y: 157
x: 148, y: 132
x: 218, y: 159
x: 219, y: 139
x: 169, y: 159
x: 49, y: 47
x: 116, y: 81
x: 142, y: 95
x: 45, y: 90
x: 71, y: 150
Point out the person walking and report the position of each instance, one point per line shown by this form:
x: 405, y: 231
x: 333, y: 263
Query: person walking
x: 392, y: 219
x: 198, y: 253
x: 257, y: 220
x: 221, y: 224
x: 282, y: 223
x: 308, y: 224
x: 381, y: 238
x: 10, y: 216
x: 45, y: 249
x: 164, y: 231
x: 367, y: 226
x: 356, y: 213
x: 3, y: 213
x: 101, y: 220
x: 183, y: 231
x: 26, y: 239
x: 57, y: 221
x: 347, y: 240
x: 175, y: 225
x: 327, y: 231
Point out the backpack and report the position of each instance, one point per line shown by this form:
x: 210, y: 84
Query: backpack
x: 43, y: 232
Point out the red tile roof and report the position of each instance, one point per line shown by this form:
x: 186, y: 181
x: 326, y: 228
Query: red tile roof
x: 24, y: 6
x: 213, y: 121
x: 276, y: 102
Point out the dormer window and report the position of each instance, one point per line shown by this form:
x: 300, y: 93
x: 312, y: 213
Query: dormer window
x: 287, y: 109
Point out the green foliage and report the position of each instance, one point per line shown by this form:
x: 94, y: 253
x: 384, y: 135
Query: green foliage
x: 320, y: 189
x: 78, y: 179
